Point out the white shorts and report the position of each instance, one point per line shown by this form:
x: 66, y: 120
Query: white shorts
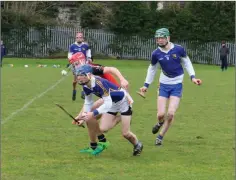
x: 122, y: 105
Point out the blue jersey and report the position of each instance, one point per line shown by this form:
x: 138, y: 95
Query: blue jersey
x: 102, y: 88
x: 83, y: 47
x: 3, y: 50
x: 170, y: 61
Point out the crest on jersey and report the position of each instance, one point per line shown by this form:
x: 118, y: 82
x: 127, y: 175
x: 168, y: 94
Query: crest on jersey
x: 174, y: 56
x: 167, y: 57
x: 83, y: 49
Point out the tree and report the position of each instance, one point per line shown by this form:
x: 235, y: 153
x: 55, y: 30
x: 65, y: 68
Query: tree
x: 91, y: 15
x: 17, y: 20
x: 212, y: 21
x: 126, y: 18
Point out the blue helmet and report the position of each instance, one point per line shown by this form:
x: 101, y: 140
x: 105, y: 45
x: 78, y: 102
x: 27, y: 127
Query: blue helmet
x: 83, y: 70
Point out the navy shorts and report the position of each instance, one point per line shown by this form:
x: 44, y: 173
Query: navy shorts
x: 167, y: 90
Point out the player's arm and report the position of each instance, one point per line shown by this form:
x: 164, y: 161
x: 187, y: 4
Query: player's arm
x: 70, y: 53
x: 151, y: 72
x: 88, y: 103
x: 187, y: 64
x: 227, y: 51
x: 105, y: 107
x: 107, y: 101
x: 124, y: 83
x: 4, y: 51
x: 88, y: 53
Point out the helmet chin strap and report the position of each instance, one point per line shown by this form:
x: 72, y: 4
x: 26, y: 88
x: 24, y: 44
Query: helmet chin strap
x: 163, y: 46
x: 85, y: 83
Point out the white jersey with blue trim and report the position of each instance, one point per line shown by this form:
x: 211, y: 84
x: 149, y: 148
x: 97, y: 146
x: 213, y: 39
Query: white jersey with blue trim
x: 109, y: 92
x: 171, y: 63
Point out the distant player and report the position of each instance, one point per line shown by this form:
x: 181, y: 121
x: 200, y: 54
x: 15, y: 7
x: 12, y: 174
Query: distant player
x: 224, y: 52
x: 3, y: 52
x: 115, y: 101
x: 79, y: 46
x: 169, y: 56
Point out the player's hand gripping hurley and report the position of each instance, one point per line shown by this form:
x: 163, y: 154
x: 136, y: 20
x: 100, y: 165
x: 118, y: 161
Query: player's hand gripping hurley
x: 142, y: 92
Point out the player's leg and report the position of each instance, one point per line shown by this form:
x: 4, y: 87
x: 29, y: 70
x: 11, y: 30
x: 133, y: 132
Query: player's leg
x: 175, y: 95
x: 93, y: 129
x: 106, y: 125
x: 222, y: 63
x: 100, y: 134
x: 82, y: 94
x: 163, y: 96
x: 126, y: 118
x: 94, y: 133
x: 226, y: 63
x: 107, y: 122
x: 96, y: 104
x: 74, y: 83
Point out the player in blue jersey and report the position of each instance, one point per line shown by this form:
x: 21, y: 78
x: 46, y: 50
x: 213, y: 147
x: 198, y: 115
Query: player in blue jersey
x: 106, y: 73
x: 3, y: 52
x: 79, y: 46
x: 115, y: 100
x: 170, y: 57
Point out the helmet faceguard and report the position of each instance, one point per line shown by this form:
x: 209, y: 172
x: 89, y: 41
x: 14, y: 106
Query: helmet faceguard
x: 83, y: 71
x: 162, y: 33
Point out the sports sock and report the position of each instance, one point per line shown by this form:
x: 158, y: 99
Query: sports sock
x: 102, y: 138
x: 93, y: 145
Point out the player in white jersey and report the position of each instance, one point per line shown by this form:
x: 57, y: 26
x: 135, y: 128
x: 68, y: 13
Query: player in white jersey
x: 170, y: 57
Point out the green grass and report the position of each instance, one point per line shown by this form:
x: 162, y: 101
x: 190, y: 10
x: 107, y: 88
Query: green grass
x: 40, y: 143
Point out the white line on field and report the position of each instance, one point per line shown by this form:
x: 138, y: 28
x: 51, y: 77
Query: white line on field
x: 31, y: 101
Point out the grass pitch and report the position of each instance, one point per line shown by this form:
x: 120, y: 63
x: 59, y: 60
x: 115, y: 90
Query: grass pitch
x: 39, y: 142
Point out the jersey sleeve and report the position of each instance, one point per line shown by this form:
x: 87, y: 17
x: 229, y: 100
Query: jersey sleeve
x: 154, y: 59
x: 152, y: 69
x: 183, y: 52
x: 70, y: 53
x: 103, y: 88
x: 71, y: 48
x: 86, y: 45
x: 88, y: 103
x: 86, y: 91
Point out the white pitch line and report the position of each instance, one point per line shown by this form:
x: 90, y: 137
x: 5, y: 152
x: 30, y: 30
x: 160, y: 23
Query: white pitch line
x: 32, y: 100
